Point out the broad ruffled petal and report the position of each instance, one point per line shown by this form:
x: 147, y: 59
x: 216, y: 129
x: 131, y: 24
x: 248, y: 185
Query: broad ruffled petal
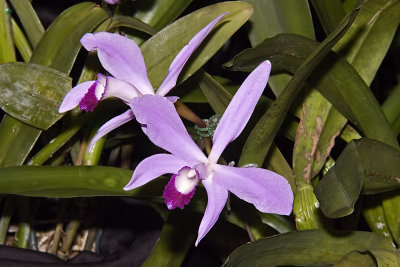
x: 111, y: 125
x: 164, y: 127
x: 217, y: 197
x: 240, y: 109
x: 121, y: 57
x: 183, y: 56
x: 268, y: 191
x: 74, y: 96
x: 153, y: 167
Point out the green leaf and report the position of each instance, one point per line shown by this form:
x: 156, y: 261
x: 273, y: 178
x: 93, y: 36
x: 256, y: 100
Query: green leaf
x: 176, y: 238
x: 160, y: 13
x: 334, y: 78
x: 386, y: 257
x: 365, y: 166
x: 161, y: 49
x: 372, y: 211
x: 32, y: 93
x: 368, y: 39
x: 309, y: 247
x: 264, y: 132
x: 29, y: 19
x: 217, y: 96
x: 60, y: 44
x: 130, y: 22
x: 330, y: 13
x: 73, y: 181
x: 356, y: 258
x: 272, y: 17
x: 22, y: 44
x: 7, y: 52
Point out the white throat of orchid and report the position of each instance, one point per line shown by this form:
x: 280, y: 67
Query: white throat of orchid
x: 180, y: 189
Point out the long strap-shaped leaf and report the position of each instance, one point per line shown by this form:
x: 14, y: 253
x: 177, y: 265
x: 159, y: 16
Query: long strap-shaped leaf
x: 304, y: 248
x: 262, y: 136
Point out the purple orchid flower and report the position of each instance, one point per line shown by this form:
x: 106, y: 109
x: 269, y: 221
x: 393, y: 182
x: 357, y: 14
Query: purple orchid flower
x: 112, y: 2
x: 268, y: 191
x: 122, y: 58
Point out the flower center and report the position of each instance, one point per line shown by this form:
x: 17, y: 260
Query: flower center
x: 180, y: 189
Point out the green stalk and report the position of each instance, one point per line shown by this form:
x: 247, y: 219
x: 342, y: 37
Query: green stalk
x: 21, y: 42
x: 7, y: 52
x: 89, y: 159
x: 8, y: 210
x: 46, y: 152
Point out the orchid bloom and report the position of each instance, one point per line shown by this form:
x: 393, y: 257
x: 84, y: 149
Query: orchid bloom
x: 268, y: 191
x: 112, y: 2
x: 122, y: 58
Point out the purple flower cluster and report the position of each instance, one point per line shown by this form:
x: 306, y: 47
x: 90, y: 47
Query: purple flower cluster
x: 122, y: 58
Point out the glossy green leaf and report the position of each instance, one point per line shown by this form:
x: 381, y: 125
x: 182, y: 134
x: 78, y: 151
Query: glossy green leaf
x: 368, y: 39
x: 386, y: 257
x: 356, y: 258
x: 7, y: 52
x: 22, y: 44
x: 176, y: 237
x: 217, y: 96
x: 29, y: 19
x: 60, y: 44
x: 272, y: 17
x: 158, y: 14
x: 72, y: 181
x: 130, y: 22
x: 334, y: 78
x: 32, y: 93
x: 161, y: 49
x: 264, y: 132
x: 330, y: 13
x: 365, y: 166
x: 58, y: 49
x: 17, y: 139
x: 309, y: 247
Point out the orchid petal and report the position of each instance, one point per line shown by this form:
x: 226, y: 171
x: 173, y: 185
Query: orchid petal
x: 217, y: 197
x: 178, y: 63
x: 164, y: 127
x: 121, y: 57
x: 111, y: 125
x: 112, y: 2
x: 74, y: 96
x: 153, y: 167
x: 239, y: 110
x: 268, y: 191
x: 121, y: 89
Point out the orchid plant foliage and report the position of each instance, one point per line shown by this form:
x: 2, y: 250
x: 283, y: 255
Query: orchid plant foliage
x: 268, y: 191
x: 122, y: 58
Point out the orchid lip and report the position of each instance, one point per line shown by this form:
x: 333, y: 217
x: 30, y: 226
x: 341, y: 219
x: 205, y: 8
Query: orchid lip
x: 94, y: 94
x: 180, y: 189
